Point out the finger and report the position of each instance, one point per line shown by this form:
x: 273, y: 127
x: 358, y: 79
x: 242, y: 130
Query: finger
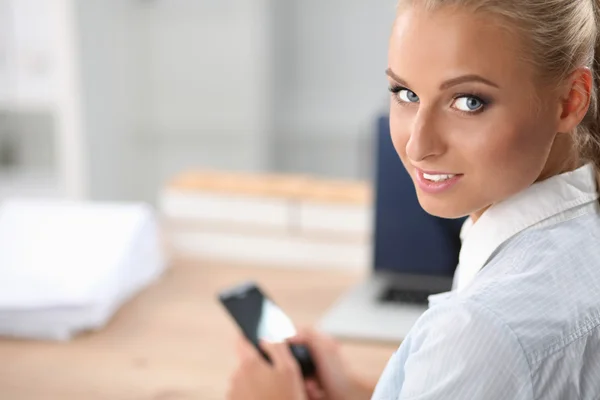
x: 313, y: 390
x: 280, y: 355
x: 315, y: 341
x: 307, y: 337
x: 302, y: 336
x: 251, y: 360
x: 245, y: 349
x: 315, y: 395
x: 236, y: 385
x: 322, y: 342
x: 312, y: 382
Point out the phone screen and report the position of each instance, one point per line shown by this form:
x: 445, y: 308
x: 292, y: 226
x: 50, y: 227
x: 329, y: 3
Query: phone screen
x: 258, y: 316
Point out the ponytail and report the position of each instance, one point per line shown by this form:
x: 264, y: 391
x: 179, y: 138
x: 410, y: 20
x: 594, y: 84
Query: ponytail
x: 588, y: 133
x: 591, y: 145
x: 594, y: 126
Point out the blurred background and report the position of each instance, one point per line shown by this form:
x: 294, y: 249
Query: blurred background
x: 108, y: 99
x: 251, y: 126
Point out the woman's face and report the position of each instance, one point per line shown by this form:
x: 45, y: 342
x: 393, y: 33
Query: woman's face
x: 466, y: 119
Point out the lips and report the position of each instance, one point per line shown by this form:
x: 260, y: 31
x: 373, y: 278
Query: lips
x: 435, y: 182
x: 437, y: 177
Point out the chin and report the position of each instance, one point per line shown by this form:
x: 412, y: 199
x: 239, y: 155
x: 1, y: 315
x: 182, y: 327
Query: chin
x: 442, y: 208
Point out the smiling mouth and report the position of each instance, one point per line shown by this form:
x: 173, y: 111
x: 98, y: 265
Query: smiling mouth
x: 435, y: 182
x: 438, y: 177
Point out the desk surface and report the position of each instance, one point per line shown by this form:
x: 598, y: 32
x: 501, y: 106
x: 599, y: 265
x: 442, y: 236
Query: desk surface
x: 172, y: 342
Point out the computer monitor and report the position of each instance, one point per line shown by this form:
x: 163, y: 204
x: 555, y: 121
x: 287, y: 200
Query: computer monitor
x: 407, y: 240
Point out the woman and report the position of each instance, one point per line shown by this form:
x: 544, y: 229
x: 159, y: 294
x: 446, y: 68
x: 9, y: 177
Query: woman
x: 494, y: 113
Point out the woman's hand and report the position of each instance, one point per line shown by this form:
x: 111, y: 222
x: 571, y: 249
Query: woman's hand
x: 256, y: 379
x: 333, y: 372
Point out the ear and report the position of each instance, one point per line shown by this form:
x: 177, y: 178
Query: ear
x: 575, y: 98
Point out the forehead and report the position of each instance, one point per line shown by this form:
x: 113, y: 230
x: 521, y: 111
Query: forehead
x: 448, y: 42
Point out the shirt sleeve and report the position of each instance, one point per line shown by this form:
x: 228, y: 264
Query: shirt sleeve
x: 463, y: 351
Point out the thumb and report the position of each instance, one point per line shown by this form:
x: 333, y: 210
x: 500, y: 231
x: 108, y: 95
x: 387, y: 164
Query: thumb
x: 280, y: 355
x: 313, y: 390
x: 316, y: 341
x: 303, y: 336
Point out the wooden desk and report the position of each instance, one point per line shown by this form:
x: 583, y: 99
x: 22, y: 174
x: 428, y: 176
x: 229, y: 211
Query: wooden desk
x: 173, y: 342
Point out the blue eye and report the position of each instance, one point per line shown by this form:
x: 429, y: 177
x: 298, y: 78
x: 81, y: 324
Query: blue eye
x: 408, y: 96
x: 469, y: 104
x: 403, y: 95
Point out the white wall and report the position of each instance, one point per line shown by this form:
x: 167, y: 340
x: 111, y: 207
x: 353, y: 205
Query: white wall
x: 284, y: 85
x: 325, y: 64
x: 330, y: 83
x: 169, y: 85
x: 205, y: 98
x: 108, y: 73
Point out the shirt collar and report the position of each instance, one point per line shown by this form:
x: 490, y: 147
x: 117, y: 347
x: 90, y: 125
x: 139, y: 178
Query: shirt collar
x: 503, y: 220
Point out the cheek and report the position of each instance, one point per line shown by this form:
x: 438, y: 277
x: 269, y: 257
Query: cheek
x: 513, y: 156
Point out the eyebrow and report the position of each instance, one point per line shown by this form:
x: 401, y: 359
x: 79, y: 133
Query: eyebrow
x: 449, y: 83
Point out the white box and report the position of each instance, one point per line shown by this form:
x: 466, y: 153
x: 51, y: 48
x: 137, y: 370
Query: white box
x: 197, y: 205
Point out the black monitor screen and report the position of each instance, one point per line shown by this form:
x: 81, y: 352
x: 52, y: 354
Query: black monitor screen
x: 407, y: 239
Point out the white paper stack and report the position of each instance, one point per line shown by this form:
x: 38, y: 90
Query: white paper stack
x: 67, y: 267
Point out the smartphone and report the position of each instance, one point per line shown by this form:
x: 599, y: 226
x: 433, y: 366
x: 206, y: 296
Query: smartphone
x: 259, y: 318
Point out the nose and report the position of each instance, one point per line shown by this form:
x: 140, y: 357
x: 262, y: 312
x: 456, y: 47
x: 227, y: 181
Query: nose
x: 425, y: 140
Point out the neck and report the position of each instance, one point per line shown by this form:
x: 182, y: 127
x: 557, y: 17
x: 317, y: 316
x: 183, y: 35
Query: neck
x: 563, y: 157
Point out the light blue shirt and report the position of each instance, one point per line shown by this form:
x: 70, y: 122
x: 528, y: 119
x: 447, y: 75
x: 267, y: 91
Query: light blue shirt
x: 523, y: 321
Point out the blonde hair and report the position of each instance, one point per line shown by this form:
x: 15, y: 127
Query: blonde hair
x: 562, y: 35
